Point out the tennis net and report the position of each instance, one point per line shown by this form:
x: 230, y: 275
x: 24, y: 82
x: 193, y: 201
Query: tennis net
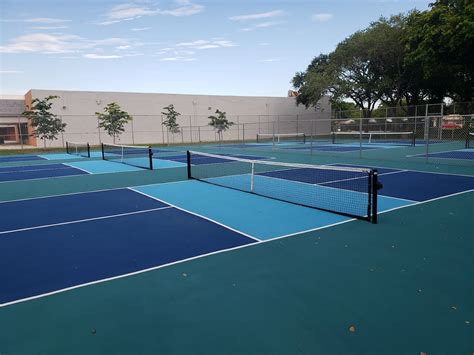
x: 343, y: 190
x: 390, y: 138
x: 138, y: 156
x: 78, y: 148
x: 277, y: 138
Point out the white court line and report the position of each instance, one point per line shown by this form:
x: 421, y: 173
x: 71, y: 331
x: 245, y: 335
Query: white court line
x: 84, y: 220
x: 200, y: 256
x: 75, y: 167
x: 89, y: 192
x: 423, y: 155
x: 28, y: 171
x: 194, y: 213
x: 360, y: 177
x: 42, y: 178
x: 406, y: 170
x: 430, y: 200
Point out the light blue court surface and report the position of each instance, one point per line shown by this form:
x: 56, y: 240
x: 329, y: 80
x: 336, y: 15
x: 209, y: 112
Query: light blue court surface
x: 65, y: 156
x: 102, y: 166
x: 260, y: 217
x: 60, y: 156
x: 162, y: 164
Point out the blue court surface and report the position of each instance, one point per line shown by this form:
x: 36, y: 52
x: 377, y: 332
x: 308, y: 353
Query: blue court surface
x: 14, y: 158
x: 200, y: 160
x: 340, y: 148
x: 106, y: 235
x: 461, y: 154
x: 38, y: 172
x: 89, y: 237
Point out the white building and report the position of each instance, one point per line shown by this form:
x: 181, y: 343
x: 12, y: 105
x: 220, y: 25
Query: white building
x: 251, y: 115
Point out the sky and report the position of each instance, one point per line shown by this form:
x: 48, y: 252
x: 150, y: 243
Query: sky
x: 233, y: 47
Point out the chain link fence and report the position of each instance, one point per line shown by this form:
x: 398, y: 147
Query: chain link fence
x: 434, y: 133
x: 447, y: 139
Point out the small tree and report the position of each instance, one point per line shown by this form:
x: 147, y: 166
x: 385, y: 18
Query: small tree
x: 220, y: 123
x: 113, y: 120
x: 170, y: 121
x: 46, y: 125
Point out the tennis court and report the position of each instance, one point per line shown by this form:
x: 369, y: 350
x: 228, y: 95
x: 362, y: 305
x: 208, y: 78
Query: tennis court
x: 461, y: 154
x: 217, y: 243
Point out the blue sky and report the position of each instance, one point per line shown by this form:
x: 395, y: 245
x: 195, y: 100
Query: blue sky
x: 183, y: 46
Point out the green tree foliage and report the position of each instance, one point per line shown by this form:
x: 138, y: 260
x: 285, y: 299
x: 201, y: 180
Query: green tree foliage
x: 408, y: 58
x: 441, y: 40
x: 46, y: 125
x: 220, y: 123
x: 171, y: 118
x: 113, y: 120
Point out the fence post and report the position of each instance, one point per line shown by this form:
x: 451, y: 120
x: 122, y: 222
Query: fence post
x: 360, y: 135
x: 191, y: 128
x: 162, y: 131
x: 427, y: 132
x: 238, y: 129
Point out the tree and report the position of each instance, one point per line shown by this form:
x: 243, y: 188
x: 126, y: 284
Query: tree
x: 171, y: 118
x: 314, y: 82
x: 350, y: 72
x: 113, y: 120
x: 46, y: 125
x: 441, y: 40
x: 410, y: 59
x: 220, y: 123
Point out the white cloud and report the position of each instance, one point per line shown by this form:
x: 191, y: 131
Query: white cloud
x: 56, y: 43
x: 141, y: 29
x: 45, y: 20
x: 264, y: 44
x: 260, y: 25
x: 98, y: 56
x: 258, y: 16
x: 187, y: 8
x: 321, y: 17
x: 49, y: 27
x: 269, y: 60
x: 178, y: 59
x: 10, y: 72
x: 202, y: 44
x: 124, y: 47
x: 125, y: 12
x: 132, y: 11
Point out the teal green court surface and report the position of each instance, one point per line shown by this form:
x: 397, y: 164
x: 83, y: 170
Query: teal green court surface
x: 115, y: 259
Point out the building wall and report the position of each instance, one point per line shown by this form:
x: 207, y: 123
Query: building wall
x: 251, y: 115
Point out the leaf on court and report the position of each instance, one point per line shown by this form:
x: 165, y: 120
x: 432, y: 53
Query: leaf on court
x: 352, y: 328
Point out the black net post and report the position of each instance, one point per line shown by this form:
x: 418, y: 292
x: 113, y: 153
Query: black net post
x: 150, y: 155
x: 375, y: 187
x: 67, y: 147
x: 188, y: 160
x: 103, y: 154
x: 88, y: 150
x: 413, y: 140
x: 333, y: 137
